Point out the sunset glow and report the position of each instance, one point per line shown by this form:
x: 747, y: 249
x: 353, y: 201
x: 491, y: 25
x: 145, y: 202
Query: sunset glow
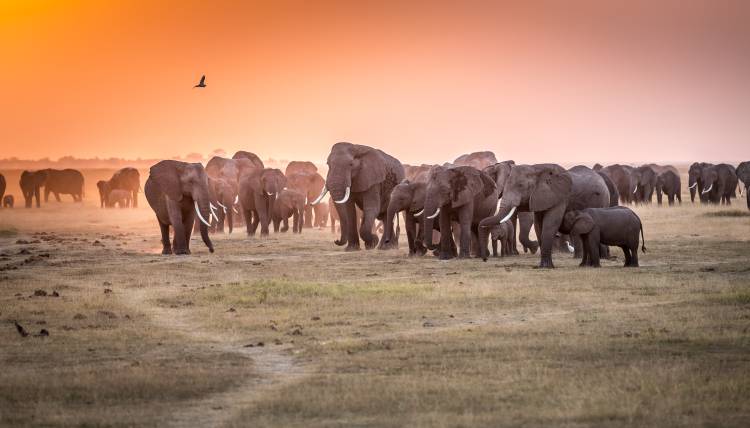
x: 581, y: 81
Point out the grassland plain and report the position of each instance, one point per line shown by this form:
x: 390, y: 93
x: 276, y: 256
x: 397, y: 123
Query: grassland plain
x: 293, y: 331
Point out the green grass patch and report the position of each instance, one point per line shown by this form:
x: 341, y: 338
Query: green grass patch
x: 729, y: 213
x: 741, y: 298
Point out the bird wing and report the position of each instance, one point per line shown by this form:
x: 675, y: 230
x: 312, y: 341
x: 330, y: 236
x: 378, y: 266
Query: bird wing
x: 203, y: 80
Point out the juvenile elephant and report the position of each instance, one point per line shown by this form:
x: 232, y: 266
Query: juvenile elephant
x: 289, y: 203
x: 227, y: 172
x: 500, y: 172
x: 31, y: 182
x: 177, y: 192
x: 258, y: 192
x: 309, y: 184
x: 8, y: 201
x: 549, y: 191
x: 504, y: 234
x: 64, y: 181
x: 361, y: 176
x: 408, y: 197
x: 462, y: 194
x: 695, y: 181
x: 119, y: 197
x: 719, y: 183
x: 668, y: 183
x: 223, y: 193
x: 617, y: 226
x: 743, y: 175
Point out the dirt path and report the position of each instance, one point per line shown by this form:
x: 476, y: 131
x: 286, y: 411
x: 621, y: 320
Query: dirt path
x: 273, y: 367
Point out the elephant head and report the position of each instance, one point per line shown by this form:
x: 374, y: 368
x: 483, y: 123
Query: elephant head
x: 30, y: 183
x: 645, y: 181
x: 270, y: 182
x: 500, y: 172
x: 352, y: 168
x: 223, y: 193
x: 452, y: 188
x: 405, y: 196
x: 576, y: 223
x: 309, y: 184
x: 743, y: 174
x: 710, y: 181
x: 532, y: 188
x: 179, y: 180
x: 695, y: 180
x: 252, y: 157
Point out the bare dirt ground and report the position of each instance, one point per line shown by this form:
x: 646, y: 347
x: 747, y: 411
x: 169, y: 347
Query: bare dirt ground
x: 292, y: 331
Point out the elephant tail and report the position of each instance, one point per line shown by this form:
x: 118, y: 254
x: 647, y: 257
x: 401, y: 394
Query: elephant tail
x: 643, y: 239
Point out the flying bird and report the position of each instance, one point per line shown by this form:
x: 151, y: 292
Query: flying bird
x: 22, y: 331
x: 202, y: 83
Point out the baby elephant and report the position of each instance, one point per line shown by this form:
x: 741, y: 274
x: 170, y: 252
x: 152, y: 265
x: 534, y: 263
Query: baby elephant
x: 504, y: 233
x: 121, y: 197
x: 618, y: 226
x: 8, y: 201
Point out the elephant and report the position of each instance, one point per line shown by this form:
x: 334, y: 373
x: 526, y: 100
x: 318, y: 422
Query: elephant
x: 463, y: 194
x: 597, y: 167
x: 103, y: 186
x: 224, y: 193
x: 417, y: 173
x: 500, y: 172
x: 228, y: 171
x: 361, y: 176
x: 743, y: 175
x: 719, y: 183
x: 128, y: 179
x: 645, y: 183
x: 177, y: 192
x: 668, y: 183
x: 617, y: 226
x: 548, y: 190
x: 8, y: 201
x: 310, y: 184
x: 695, y: 181
x: 478, y: 160
x: 258, y: 192
x: 252, y: 157
x: 408, y: 197
x: 3, y: 186
x: 66, y: 181
x: 119, y: 197
x: 289, y: 203
x: 30, y: 183
x: 503, y: 233
x: 623, y: 179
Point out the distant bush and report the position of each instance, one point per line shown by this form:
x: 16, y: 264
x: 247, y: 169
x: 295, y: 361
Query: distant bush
x: 8, y: 233
x: 731, y: 213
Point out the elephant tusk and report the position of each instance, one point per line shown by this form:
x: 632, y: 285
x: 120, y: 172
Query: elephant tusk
x: 269, y: 194
x: 417, y: 214
x: 510, y: 214
x: 235, y: 210
x: 213, y: 212
x: 320, y: 198
x: 635, y: 190
x: 346, y: 195
x: 222, y: 205
x: 497, y: 208
x: 198, y: 211
x: 709, y: 189
x: 437, y: 211
x: 571, y: 248
x: 237, y: 199
x: 694, y: 184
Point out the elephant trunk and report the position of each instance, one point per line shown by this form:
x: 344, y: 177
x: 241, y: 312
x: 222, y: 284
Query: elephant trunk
x: 503, y: 213
x: 428, y: 217
x: 203, y: 211
x: 343, y: 222
x: 393, y: 211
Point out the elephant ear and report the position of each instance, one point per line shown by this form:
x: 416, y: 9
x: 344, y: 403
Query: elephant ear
x: 488, y: 185
x: 166, y: 175
x: 583, y: 224
x: 371, y: 170
x: 465, y: 182
x: 552, y: 187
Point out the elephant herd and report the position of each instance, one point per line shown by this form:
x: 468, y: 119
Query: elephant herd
x: 450, y: 209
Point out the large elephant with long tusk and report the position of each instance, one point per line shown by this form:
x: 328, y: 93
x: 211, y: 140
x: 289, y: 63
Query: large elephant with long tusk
x: 178, y: 192
x: 695, y: 181
x: 360, y: 176
x: 258, y: 192
x: 548, y: 190
x: 462, y: 194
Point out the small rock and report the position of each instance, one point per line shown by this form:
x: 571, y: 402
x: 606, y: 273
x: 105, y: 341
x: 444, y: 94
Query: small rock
x: 296, y: 332
x: 277, y: 342
x: 428, y: 324
x: 42, y: 333
x: 231, y: 310
x: 55, y: 294
x: 40, y: 293
x: 79, y: 317
x: 260, y: 344
x: 22, y: 241
x: 24, y: 251
x: 106, y: 283
x: 315, y: 318
x: 107, y: 291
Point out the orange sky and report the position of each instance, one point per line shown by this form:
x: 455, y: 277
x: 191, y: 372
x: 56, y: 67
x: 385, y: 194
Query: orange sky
x: 532, y: 80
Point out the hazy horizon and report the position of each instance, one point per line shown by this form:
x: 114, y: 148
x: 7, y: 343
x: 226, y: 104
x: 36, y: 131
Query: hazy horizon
x: 539, y: 81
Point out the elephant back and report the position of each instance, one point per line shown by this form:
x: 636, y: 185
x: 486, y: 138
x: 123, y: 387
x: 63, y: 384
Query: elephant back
x: 68, y: 181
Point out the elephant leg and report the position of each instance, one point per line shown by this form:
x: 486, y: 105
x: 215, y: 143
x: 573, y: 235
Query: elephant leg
x: 135, y: 198
x: 577, y: 244
x: 179, y: 246
x: 166, y: 245
x: 494, y: 247
x: 526, y: 221
x: 626, y: 253
x: 592, y: 241
x: 633, y: 256
x: 411, y: 230
x: 446, y: 238
x: 370, y: 210
x: 57, y: 196
x: 187, y: 222
x: 550, y: 223
x: 251, y: 222
x: 514, y: 245
x: 465, y: 215
x: 309, y: 216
